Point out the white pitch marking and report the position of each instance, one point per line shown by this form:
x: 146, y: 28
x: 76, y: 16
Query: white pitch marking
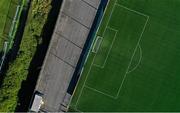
x: 132, y: 58
x: 93, y: 89
x: 138, y: 61
x: 112, y: 43
x: 137, y: 12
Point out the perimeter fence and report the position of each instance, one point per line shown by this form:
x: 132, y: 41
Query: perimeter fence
x: 9, y: 31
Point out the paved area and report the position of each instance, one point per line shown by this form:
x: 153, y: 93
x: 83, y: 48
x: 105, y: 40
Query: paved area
x: 72, y: 28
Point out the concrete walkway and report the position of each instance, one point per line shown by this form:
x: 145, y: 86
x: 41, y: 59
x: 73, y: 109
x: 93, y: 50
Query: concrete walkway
x: 72, y: 28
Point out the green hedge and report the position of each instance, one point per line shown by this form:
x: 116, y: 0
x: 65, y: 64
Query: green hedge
x: 18, y: 69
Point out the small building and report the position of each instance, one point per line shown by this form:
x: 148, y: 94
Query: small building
x: 36, y: 104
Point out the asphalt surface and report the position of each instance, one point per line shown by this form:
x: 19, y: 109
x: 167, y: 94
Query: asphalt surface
x: 71, y: 31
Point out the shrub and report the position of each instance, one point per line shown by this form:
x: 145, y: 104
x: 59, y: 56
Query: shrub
x: 18, y: 69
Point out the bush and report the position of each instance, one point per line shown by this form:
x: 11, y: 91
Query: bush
x: 18, y: 69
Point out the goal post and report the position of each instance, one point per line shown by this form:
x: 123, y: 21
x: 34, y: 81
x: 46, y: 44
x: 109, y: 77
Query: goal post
x: 97, y: 44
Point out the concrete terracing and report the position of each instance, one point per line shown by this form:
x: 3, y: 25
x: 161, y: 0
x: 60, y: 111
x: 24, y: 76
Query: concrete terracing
x: 71, y: 31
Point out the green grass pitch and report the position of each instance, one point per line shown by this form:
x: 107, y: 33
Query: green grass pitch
x: 137, y: 65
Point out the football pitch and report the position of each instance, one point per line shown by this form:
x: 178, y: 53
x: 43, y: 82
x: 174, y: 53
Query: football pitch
x: 134, y: 61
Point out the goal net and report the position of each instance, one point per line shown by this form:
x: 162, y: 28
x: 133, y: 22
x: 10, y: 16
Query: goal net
x: 97, y: 44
